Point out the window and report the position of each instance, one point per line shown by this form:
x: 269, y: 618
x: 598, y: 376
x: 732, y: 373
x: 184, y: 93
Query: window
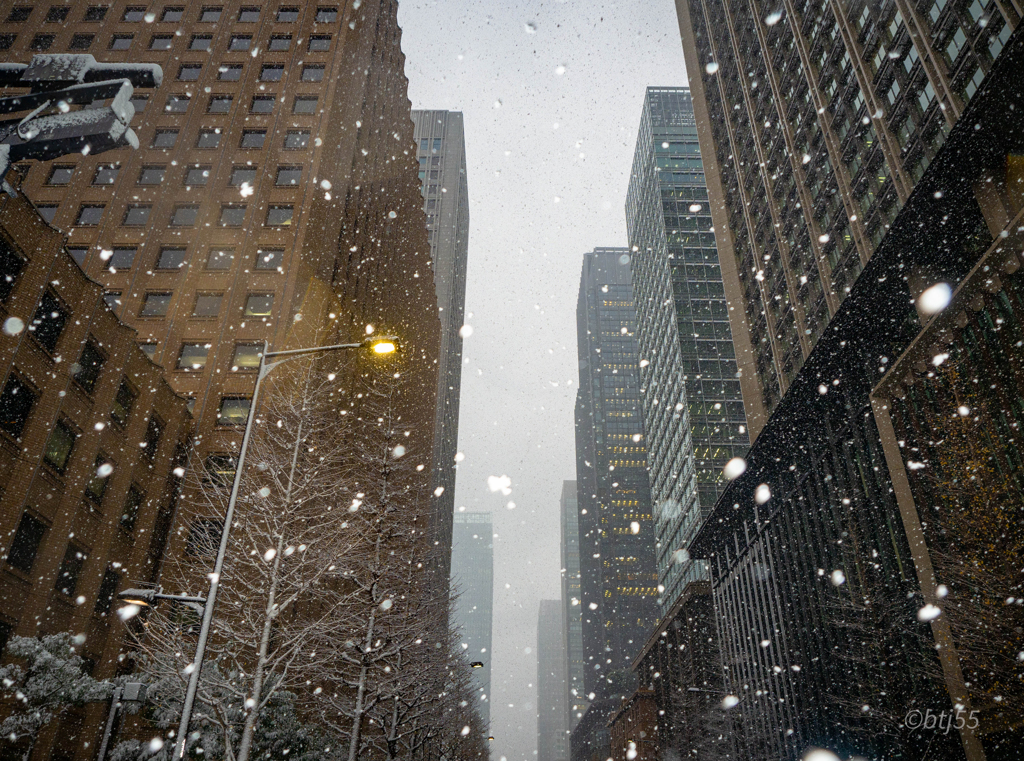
x: 171, y: 258
x: 241, y: 174
x: 90, y: 215
x: 59, y: 446
x: 156, y: 304
x: 208, y: 138
x: 70, y: 570
x: 252, y: 138
x: 172, y: 14
x: 284, y: 15
x: 78, y: 253
x: 121, y: 41
x: 279, y: 43
x: 165, y: 138
x: 161, y: 42
x: 154, y: 430
x: 232, y: 215
x: 263, y: 104
x: 7, y: 41
x: 47, y: 211
x: 11, y: 266
x: 296, y: 140
x: 122, y: 257
x: 41, y: 42
x: 200, y: 42
x: 57, y: 14
x: 220, y: 258
x: 97, y: 485
x: 229, y: 72
x: 113, y: 300
x: 326, y: 15
x: 233, y: 411
x: 21, y: 13
x: 247, y: 357
x: 271, y: 72
x: 81, y: 41
x: 240, y: 42
x: 106, y: 174
x: 312, y: 73
x: 269, y: 258
x: 184, y: 216
x: 134, y: 13
x: 248, y: 15
x: 319, y: 43
x: 123, y: 403
x: 49, y: 321
x: 107, y: 592
x: 197, y: 175
x: 288, y: 175
x: 89, y: 365
x: 207, y: 304
x: 189, y: 72
x: 131, y: 507
x: 219, y: 104
x: 177, y: 104
x: 151, y: 175
x: 136, y: 215
x: 210, y: 15
x: 148, y: 348
x: 279, y: 216
x: 60, y: 175
x: 139, y: 102
x: 16, y: 403
x: 25, y: 544
x: 193, y: 356
x: 259, y: 305
x: 304, y: 104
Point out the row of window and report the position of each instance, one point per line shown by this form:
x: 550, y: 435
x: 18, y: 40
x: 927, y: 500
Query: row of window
x: 260, y: 104
x: 122, y: 258
x: 252, y: 139
x: 195, y: 176
x: 157, y: 304
x: 193, y: 356
x: 58, y: 14
x: 232, y: 72
x: 137, y: 215
x: 316, y: 43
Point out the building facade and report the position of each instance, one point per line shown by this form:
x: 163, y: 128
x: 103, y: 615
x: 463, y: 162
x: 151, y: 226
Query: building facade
x: 441, y: 151
x: 273, y: 196
x: 473, y: 582
x: 815, y: 129
x: 690, y: 386
x: 898, y: 431
x: 92, y: 445
x: 572, y: 618
x: 618, y: 579
x: 552, y: 738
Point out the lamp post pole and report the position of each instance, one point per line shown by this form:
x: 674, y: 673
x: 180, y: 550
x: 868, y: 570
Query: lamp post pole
x: 382, y: 345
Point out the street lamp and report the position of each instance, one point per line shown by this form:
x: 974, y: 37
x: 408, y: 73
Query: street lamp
x: 381, y: 345
x: 477, y: 664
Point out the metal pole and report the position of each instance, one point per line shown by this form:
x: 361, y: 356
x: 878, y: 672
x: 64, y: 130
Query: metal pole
x: 211, y: 597
x: 115, y: 701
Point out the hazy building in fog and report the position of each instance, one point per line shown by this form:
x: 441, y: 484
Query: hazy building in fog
x: 473, y: 579
x: 552, y: 740
x: 572, y: 620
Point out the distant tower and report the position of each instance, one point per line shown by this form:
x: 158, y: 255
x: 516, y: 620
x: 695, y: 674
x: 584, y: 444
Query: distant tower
x: 441, y: 150
x: 473, y: 575
x: 552, y: 741
x: 618, y: 577
x: 572, y: 622
x: 692, y: 404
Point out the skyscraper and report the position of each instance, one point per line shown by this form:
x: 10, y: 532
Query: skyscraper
x: 552, y: 740
x: 618, y: 578
x: 273, y: 196
x: 441, y: 151
x: 473, y: 579
x: 692, y: 402
x: 811, y: 153
x: 572, y: 619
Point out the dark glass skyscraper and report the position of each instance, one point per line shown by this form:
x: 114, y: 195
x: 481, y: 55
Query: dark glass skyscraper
x: 441, y: 151
x: 616, y: 534
x: 473, y: 579
x: 692, y: 403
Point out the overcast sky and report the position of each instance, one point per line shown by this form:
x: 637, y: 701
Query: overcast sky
x: 551, y: 93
